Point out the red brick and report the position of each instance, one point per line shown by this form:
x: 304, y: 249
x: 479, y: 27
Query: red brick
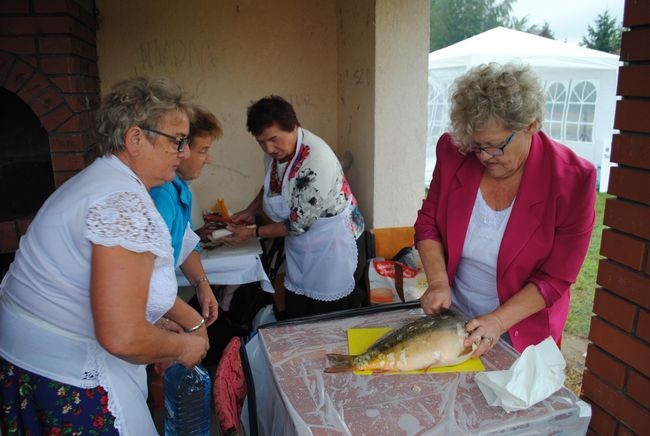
x: 67, y: 45
x: 624, y: 282
x: 625, y: 347
x: 36, y: 85
x: 626, y: 411
x: 70, y: 84
x: 8, y: 237
x: 55, y: 118
x: 14, y: 6
x: 43, y: 25
x: 78, y: 123
x: 631, y: 150
x: 6, y: 62
x: 602, y: 423
x: 634, y: 45
x: 18, y: 25
x: 638, y: 388
x: 18, y: 44
x: 630, y: 184
x: 63, y: 6
x: 60, y: 64
x: 622, y: 248
x: 23, y: 223
x: 631, y: 114
x: 20, y: 73
x: 643, y: 326
x: 67, y: 143
x: 627, y: 217
x: 637, y: 12
x: 632, y: 81
x: 45, y: 102
x: 624, y: 431
x: 67, y: 161
x: 605, y: 366
x: 60, y: 177
x: 31, y: 60
x: 619, y: 312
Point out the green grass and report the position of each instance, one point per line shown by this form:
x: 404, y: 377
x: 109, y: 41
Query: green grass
x: 582, y: 292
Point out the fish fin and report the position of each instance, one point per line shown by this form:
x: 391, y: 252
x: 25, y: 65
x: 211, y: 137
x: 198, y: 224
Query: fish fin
x: 339, y: 363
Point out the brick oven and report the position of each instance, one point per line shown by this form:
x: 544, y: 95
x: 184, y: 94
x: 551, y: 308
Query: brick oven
x: 49, y: 86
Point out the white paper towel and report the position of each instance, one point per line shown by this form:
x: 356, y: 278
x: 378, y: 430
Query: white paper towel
x: 534, y: 376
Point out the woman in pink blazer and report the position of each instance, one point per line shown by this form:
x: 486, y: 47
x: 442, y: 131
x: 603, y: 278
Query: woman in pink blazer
x: 507, y: 221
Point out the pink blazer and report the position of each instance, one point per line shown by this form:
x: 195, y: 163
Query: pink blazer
x: 546, y: 238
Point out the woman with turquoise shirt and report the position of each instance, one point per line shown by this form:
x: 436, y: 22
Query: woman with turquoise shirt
x: 174, y: 202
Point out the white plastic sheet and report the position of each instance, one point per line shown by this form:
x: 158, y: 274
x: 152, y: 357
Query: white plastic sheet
x: 294, y: 396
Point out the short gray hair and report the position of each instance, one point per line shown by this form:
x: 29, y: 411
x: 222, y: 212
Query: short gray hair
x: 509, y: 94
x: 138, y: 101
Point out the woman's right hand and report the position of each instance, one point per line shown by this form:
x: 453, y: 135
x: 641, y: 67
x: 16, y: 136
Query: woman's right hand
x: 436, y: 298
x: 195, y: 348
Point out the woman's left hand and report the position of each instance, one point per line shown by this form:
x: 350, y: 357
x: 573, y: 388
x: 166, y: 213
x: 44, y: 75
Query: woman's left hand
x: 208, y: 303
x: 485, y: 332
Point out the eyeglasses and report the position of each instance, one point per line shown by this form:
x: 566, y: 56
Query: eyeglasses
x: 181, y: 141
x: 491, y: 150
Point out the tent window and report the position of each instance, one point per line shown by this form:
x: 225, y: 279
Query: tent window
x: 580, y: 112
x: 438, y: 114
x: 556, y: 95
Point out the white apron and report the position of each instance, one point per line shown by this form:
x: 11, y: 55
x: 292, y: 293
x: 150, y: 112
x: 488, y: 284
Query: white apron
x: 320, y: 262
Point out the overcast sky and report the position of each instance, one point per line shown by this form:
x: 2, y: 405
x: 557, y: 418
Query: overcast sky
x: 568, y: 19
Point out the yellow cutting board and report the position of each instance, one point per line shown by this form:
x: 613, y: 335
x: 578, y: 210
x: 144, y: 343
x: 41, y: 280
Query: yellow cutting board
x: 359, y: 340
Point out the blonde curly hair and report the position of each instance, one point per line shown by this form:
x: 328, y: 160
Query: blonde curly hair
x: 509, y: 95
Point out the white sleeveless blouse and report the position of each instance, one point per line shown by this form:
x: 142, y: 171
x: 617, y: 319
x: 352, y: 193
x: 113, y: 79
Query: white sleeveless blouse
x: 474, y: 290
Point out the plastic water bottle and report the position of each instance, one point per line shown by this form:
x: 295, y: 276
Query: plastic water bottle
x: 187, y: 401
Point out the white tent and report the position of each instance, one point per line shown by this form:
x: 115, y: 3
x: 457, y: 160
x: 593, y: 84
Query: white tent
x: 580, y: 86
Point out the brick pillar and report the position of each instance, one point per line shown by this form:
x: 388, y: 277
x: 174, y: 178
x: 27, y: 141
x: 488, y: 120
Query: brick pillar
x: 48, y: 58
x: 615, y: 380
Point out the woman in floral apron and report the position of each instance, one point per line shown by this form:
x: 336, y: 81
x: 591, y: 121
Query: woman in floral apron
x: 310, y: 203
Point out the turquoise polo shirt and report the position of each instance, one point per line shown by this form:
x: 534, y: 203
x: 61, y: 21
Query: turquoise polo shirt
x: 174, y: 202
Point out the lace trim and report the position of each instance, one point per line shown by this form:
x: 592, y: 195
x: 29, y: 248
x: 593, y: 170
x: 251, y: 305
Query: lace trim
x: 125, y: 219
x: 112, y: 404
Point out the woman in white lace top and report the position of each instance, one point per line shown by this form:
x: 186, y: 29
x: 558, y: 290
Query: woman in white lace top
x: 93, y: 275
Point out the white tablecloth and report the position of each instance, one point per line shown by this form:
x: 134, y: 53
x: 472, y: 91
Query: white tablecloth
x: 233, y: 266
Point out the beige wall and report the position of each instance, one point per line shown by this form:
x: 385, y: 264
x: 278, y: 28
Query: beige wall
x: 228, y: 53
x: 356, y: 92
x: 401, y: 56
x: 355, y: 71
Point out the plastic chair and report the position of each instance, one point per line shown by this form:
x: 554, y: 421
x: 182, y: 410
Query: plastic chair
x: 233, y: 383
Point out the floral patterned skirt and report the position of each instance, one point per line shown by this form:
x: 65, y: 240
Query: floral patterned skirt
x: 34, y: 405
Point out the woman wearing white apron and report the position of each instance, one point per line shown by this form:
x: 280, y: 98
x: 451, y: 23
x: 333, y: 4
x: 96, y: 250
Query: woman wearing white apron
x: 308, y: 199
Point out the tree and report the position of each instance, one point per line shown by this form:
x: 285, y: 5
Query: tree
x: 455, y: 20
x: 605, y: 35
x: 522, y: 25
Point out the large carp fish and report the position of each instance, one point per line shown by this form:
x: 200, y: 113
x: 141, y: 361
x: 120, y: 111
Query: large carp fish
x: 427, y: 342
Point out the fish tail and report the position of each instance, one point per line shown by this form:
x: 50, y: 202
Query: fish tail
x: 339, y: 363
